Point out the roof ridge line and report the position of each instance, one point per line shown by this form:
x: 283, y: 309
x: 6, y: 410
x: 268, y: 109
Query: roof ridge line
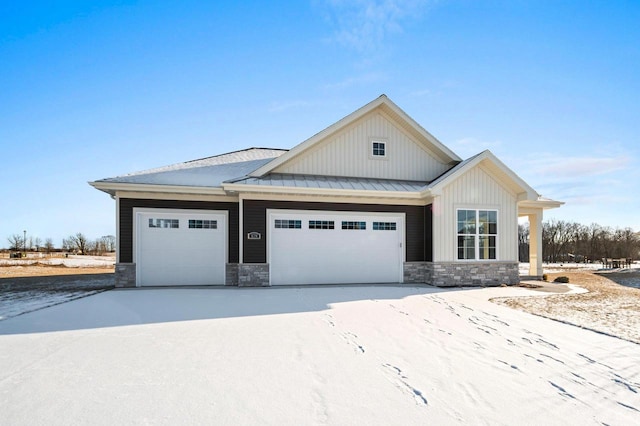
x: 233, y: 152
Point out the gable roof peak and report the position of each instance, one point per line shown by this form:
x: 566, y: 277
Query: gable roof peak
x: 446, y: 155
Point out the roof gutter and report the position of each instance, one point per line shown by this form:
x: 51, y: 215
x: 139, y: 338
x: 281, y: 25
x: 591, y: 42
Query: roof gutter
x: 112, y: 187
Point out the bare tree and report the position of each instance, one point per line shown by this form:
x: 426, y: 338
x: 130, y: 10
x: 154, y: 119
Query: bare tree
x: 15, y: 242
x: 48, y: 245
x: 77, y: 242
x: 523, y: 242
x: 109, y: 242
x: 67, y: 244
x: 37, y: 242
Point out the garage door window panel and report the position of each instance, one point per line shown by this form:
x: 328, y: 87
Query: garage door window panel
x: 321, y: 224
x: 203, y: 224
x: 354, y: 225
x: 288, y: 224
x: 164, y: 223
x: 384, y: 226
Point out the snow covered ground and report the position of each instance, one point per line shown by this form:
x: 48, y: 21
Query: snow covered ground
x: 569, y: 266
x: 72, y: 261
x: 375, y: 355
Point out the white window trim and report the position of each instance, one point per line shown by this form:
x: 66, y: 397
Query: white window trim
x: 477, y: 235
x: 385, y: 141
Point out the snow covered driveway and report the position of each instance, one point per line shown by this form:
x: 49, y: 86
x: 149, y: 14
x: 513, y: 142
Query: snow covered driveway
x: 19, y: 295
x: 297, y: 356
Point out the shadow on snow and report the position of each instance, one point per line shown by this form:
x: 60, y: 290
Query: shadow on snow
x: 117, y: 308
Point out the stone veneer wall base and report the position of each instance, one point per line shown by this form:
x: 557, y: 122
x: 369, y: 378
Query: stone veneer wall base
x: 417, y: 272
x: 480, y: 274
x: 253, y: 275
x: 125, y: 275
x: 231, y: 274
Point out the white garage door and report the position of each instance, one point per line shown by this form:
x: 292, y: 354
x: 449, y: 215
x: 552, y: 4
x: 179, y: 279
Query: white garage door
x: 180, y: 247
x: 307, y: 247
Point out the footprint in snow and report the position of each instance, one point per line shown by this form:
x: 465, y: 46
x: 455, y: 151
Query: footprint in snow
x: 628, y: 406
x: 489, y: 315
x: 401, y: 382
x: 562, y: 391
x: 578, y: 376
x: 547, y: 344
x: 329, y: 320
x: 500, y: 322
x: 532, y: 357
x: 350, y: 339
x: 593, y: 361
x: 486, y: 331
x: 462, y: 305
x: 626, y: 385
x: 550, y: 357
x: 515, y: 367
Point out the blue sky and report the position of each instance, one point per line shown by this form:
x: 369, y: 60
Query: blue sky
x: 90, y: 90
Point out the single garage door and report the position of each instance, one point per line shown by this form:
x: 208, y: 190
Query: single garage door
x: 308, y: 247
x: 180, y: 247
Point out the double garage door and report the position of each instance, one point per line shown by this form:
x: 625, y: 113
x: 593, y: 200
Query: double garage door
x: 311, y: 247
x: 180, y: 247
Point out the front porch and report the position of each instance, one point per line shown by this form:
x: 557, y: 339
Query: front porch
x: 533, y: 211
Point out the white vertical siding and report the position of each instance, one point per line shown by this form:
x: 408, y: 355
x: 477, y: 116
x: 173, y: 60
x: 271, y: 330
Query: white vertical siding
x: 347, y: 153
x: 476, y: 189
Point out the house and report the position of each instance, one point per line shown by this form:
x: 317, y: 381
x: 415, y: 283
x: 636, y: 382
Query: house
x: 373, y: 198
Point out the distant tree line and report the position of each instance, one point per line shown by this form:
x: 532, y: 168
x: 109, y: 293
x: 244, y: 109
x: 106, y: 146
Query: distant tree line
x: 564, y: 241
x: 77, y: 243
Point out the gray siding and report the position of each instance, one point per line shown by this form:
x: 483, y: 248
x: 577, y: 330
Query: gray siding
x: 126, y: 221
x: 255, y: 213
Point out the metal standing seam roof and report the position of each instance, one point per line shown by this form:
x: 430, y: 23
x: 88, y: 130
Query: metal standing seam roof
x: 207, y: 176
x: 332, y: 182
x: 239, y: 156
x: 235, y: 167
x: 206, y: 172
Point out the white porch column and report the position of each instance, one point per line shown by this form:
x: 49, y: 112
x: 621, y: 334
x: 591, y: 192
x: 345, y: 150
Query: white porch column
x: 535, y: 243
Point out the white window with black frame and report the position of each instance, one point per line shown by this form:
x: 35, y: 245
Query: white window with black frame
x: 477, y: 234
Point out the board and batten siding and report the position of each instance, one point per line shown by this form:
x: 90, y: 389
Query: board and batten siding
x: 255, y: 220
x: 476, y: 189
x: 348, y: 153
x: 126, y: 222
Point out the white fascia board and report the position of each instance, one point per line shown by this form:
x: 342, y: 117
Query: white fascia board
x: 112, y: 187
x: 351, y: 118
x: 233, y: 198
x: 241, y: 188
x: 538, y: 204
